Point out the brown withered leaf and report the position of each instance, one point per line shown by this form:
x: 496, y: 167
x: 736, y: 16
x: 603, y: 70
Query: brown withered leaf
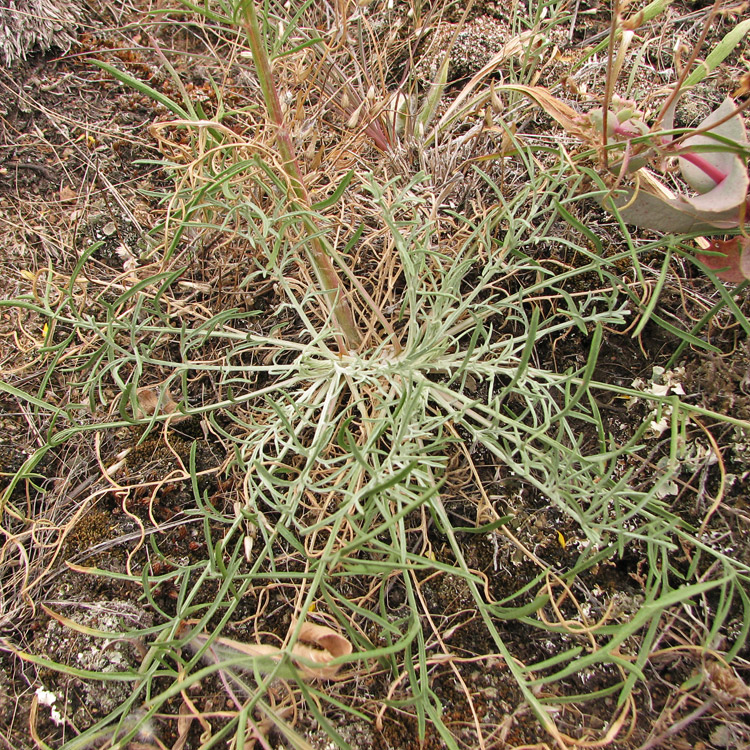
x: 67, y: 194
x: 744, y: 87
x: 152, y: 400
x: 725, y: 683
x: 518, y: 45
x: 557, y: 109
x: 313, y: 661
x: 733, y: 264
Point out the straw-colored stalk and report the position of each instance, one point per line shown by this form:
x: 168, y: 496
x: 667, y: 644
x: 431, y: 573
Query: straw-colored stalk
x: 328, y: 279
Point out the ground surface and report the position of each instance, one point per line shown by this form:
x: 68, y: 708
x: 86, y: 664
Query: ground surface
x: 77, y: 167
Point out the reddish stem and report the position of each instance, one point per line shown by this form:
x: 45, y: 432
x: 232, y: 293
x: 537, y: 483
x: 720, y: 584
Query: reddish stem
x: 705, y: 166
x: 695, y: 159
x: 328, y: 278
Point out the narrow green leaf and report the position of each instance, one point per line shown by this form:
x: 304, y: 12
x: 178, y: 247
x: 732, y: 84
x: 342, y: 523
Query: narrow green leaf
x: 719, y: 53
x: 335, y: 195
x: 143, y: 88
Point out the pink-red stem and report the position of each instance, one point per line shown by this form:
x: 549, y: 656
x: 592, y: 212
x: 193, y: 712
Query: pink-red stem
x: 705, y: 166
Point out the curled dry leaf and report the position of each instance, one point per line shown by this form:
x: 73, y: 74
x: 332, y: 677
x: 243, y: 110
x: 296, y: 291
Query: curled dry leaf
x: 313, y: 661
x: 744, y: 86
x: 574, y: 123
x: 154, y: 400
x: 725, y: 684
x: 67, y: 194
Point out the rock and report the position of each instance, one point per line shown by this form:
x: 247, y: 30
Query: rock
x: 80, y: 650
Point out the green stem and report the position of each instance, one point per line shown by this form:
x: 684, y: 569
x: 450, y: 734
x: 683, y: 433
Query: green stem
x: 329, y: 281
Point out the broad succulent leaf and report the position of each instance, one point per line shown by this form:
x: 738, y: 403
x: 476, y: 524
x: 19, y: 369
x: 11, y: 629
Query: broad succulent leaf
x: 654, y: 206
x: 666, y: 215
x: 716, y: 207
x: 727, y: 196
x: 727, y: 162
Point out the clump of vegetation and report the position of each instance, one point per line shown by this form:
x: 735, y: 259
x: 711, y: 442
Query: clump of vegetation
x: 445, y: 509
x: 711, y: 156
x: 26, y: 25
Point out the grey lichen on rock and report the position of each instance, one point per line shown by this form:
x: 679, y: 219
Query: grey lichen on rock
x: 29, y: 24
x: 474, y: 45
x: 83, y: 651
